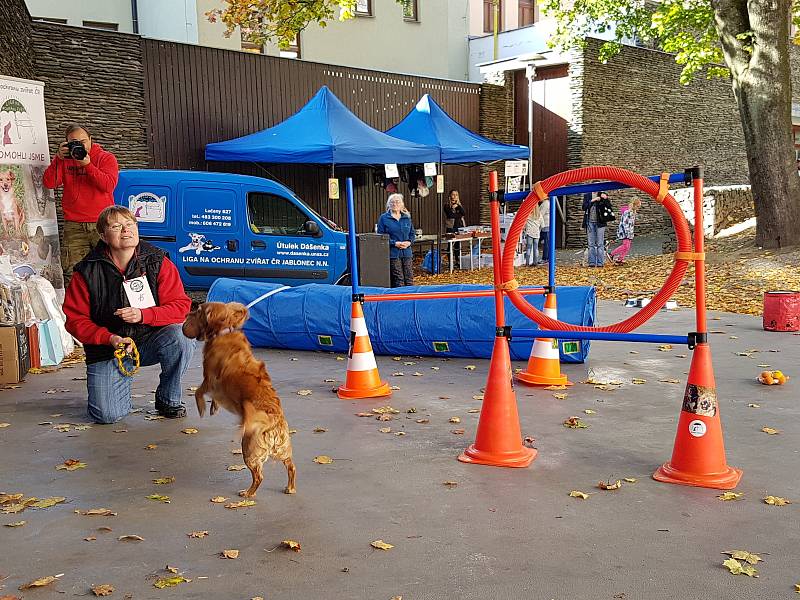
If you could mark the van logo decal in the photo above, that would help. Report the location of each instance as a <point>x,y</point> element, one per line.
<point>198,243</point>
<point>148,207</point>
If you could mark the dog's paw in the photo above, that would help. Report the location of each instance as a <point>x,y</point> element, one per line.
<point>289,490</point>
<point>214,408</point>
<point>247,494</point>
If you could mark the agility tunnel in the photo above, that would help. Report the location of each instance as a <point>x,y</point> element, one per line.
<point>317,317</point>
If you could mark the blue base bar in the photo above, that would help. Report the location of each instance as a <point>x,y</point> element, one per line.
<point>601,336</point>
<point>590,188</point>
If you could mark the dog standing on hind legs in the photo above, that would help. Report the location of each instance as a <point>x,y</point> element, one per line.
<point>238,382</point>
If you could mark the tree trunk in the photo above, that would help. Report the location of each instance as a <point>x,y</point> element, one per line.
<point>763,90</point>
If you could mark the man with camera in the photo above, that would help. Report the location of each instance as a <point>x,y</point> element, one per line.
<point>88,174</point>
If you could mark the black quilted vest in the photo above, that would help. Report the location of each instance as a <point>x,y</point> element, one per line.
<point>106,294</point>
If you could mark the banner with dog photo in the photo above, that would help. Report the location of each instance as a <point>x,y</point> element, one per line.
<point>28,224</point>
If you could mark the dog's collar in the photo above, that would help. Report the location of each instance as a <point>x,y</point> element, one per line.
<point>223,332</point>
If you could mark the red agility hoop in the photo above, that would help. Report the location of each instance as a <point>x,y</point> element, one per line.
<point>655,190</point>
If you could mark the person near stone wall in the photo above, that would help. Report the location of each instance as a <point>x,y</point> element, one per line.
<point>595,217</point>
<point>88,187</point>
<point>625,230</point>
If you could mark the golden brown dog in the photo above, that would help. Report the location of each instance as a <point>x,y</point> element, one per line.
<point>238,382</point>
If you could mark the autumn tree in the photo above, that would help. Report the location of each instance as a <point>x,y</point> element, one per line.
<point>747,41</point>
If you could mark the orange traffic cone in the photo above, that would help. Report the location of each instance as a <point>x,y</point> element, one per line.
<point>363,379</point>
<point>544,366</point>
<point>498,441</point>
<point>698,457</point>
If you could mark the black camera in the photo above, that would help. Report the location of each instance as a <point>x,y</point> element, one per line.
<point>76,150</point>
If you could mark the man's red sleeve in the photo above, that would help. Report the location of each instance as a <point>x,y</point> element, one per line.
<point>76,307</point>
<point>105,173</point>
<point>52,174</point>
<point>174,304</point>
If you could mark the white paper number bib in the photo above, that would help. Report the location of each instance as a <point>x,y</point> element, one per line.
<point>138,292</point>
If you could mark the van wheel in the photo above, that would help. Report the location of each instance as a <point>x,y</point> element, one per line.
<point>344,280</point>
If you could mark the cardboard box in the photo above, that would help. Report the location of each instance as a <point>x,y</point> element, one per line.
<point>15,357</point>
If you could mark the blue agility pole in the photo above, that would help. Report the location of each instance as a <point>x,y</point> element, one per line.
<point>551,259</point>
<point>351,237</point>
<point>602,336</point>
<point>589,188</point>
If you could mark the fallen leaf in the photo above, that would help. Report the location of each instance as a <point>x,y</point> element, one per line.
<point>164,480</point>
<point>105,529</point>
<point>589,411</point>
<point>4,425</point>
<point>607,485</point>
<point>450,484</point>
<point>48,502</point>
<point>730,496</point>
<point>97,512</point>
<point>422,421</point>
<point>637,381</point>
<point>385,410</point>
<point>364,414</point>
<point>434,368</point>
<point>776,501</point>
<point>41,582</point>
<point>340,358</point>
<point>665,348</point>
<point>120,431</point>
<point>560,396</point>
<point>151,446</point>
<point>744,555</point>
<point>409,363</point>
<point>241,504</point>
<point>577,494</point>
<point>417,374</point>
<point>130,538</point>
<point>396,358</point>
<point>394,387</point>
<point>158,498</point>
<point>470,367</point>
<point>323,460</point>
<point>385,429</point>
<point>171,569</point>
<point>411,410</point>
<point>478,397</point>
<point>454,420</point>
<point>16,524</point>
<point>304,392</point>
<point>555,387</point>
<point>319,430</point>
<point>736,568</point>
<point>103,590</point>
<point>71,464</point>
<point>237,467</point>
<point>630,479</point>
<point>384,417</point>
<point>291,545</point>
<point>189,431</point>
<point>91,538</point>
<point>670,380</point>
<point>575,423</point>
<point>218,499</point>
<point>399,433</point>
<point>197,534</point>
<point>164,582</point>
<point>398,374</point>
<point>457,431</point>
<point>770,431</point>
<point>232,554</point>
<point>381,545</point>
<point>153,417</point>
<point>474,410</point>
<point>328,381</point>
<point>753,405</point>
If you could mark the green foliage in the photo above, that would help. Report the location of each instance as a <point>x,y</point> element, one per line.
<point>280,21</point>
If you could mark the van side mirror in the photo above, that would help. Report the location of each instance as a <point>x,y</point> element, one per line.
<point>312,228</point>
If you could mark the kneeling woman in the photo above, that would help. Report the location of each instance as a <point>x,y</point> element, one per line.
<point>396,222</point>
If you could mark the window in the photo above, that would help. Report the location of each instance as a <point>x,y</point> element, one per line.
<point>527,12</point>
<point>292,50</point>
<point>50,20</point>
<point>363,8</point>
<point>274,215</point>
<point>410,10</point>
<point>488,16</point>
<point>101,25</point>
<point>249,46</point>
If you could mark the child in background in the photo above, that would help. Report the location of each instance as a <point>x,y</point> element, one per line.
<point>532,231</point>
<point>625,231</point>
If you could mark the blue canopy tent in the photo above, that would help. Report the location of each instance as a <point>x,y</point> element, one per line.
<point>429,124</point>
<point>324,131</point>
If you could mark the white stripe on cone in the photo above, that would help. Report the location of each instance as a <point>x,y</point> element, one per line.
<point>362,361</point>
<point>359,325</point>
<point>546,347</point>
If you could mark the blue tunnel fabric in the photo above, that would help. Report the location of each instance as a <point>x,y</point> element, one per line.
<point>317,317</point>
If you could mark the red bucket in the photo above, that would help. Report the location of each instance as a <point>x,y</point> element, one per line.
<point>782,311</point>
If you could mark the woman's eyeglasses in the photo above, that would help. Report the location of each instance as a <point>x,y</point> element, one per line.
<point>118,227</point>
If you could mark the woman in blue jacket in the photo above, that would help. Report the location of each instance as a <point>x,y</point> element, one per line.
<point>396,221</point>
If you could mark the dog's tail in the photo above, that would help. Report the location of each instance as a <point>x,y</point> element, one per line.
<point>268,430</point>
